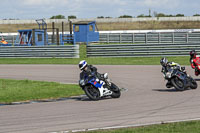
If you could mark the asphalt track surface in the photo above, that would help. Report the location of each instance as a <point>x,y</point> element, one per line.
<point>146,101</point>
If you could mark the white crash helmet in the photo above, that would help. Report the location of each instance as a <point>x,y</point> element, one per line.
<point>82,64</point>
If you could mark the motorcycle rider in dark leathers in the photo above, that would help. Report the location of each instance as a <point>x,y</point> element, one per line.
<point>167,68</point>
<point>87,70</point>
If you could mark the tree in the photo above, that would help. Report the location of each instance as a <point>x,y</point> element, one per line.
<point>179,15</point>
<point>58,17</point>
<point>71,17</point>
<point>125,16</point>
<point>108,17</point>
<point>160,15</point>
<point>196,15</point>
<point>142,15</point>
<point>100,17</point>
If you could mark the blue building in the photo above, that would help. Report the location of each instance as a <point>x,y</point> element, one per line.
<point>85,32</point>
<point>32,37</point>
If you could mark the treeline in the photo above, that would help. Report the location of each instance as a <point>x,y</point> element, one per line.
<point>155,14</point>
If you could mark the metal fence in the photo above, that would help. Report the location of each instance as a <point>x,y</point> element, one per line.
<point>160,37</point>
<point>154,37</point>
<point>42,51</point>
<point>140,50</point>
<point>12,38</point>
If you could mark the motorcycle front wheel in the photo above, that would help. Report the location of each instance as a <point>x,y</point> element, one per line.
<point>178,84</point>
<point>193,84</point>
<point>115,91</point>
<point>92,92</point>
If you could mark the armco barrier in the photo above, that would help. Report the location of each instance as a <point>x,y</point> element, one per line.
<point>40,52</point>
<point>153,37</point>
<point>140,50</point>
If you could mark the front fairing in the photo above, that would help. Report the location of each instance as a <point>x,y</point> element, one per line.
<point>94,82</point>
<point>197,62</point>
<point>99,84</point>
<point>179,74</point>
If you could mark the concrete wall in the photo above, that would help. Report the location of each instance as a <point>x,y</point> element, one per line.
<point>108,20</point>
<point>31,21</point>
<point>196,18</point>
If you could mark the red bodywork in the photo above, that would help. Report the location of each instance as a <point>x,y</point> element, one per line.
<point>195,64</point>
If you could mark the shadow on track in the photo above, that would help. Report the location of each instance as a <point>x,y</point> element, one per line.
<point>170,90</point>
<point>197,79</point>
<point>166,90</point>
<point>85,98</point>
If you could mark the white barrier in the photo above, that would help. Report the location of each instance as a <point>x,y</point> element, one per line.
<point>105,20</point>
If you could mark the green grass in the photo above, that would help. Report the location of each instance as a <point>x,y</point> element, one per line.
<point>181,127</point>
<point>136,60</point>
<point>183,60</point>
<point>23,90</point>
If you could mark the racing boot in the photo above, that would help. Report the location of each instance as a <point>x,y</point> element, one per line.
<point>196,72</point>
<point>168,85</point>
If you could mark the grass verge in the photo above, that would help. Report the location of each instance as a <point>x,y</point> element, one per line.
<point>23,90</point>
<point>102,26</point>
<point>182,60</point>
<point>181,127</point>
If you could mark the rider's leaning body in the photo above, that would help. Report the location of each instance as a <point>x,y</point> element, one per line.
<point>169,67</point>
<point>87,70</point>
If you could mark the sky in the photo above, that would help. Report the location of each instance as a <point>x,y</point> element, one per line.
<point>37,9</point>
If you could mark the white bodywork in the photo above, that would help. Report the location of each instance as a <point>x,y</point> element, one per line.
<point>104,91</point>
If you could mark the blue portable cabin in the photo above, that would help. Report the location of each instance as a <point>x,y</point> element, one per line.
<point>85,32</point>
<point>32,37</point>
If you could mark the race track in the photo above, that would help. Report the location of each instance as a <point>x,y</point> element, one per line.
<point>146,101</point>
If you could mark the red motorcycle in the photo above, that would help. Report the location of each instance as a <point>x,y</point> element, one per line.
<point>196,66</point>
<point>195,62</point>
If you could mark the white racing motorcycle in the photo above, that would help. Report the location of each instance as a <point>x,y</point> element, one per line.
<point>96,89</point>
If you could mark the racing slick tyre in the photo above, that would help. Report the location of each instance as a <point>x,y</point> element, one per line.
<point>92,92</point>
<point>178,84</point>
<point>115,91</point>
<point>193,84</point>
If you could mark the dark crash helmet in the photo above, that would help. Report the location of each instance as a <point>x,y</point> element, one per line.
<point>163,61</point>
<point>193,54</point>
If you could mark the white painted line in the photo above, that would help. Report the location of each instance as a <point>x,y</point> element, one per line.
<point>81,130</point>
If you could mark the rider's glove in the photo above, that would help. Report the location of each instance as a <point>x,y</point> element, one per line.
<point>183,69</point>
<point>92,73</point>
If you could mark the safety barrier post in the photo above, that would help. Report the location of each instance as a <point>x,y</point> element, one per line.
<point>133,37</point>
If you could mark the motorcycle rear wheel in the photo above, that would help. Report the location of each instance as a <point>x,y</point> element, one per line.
<point>92,92</point>
<point>115,91</point>
<point>178,84</point>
